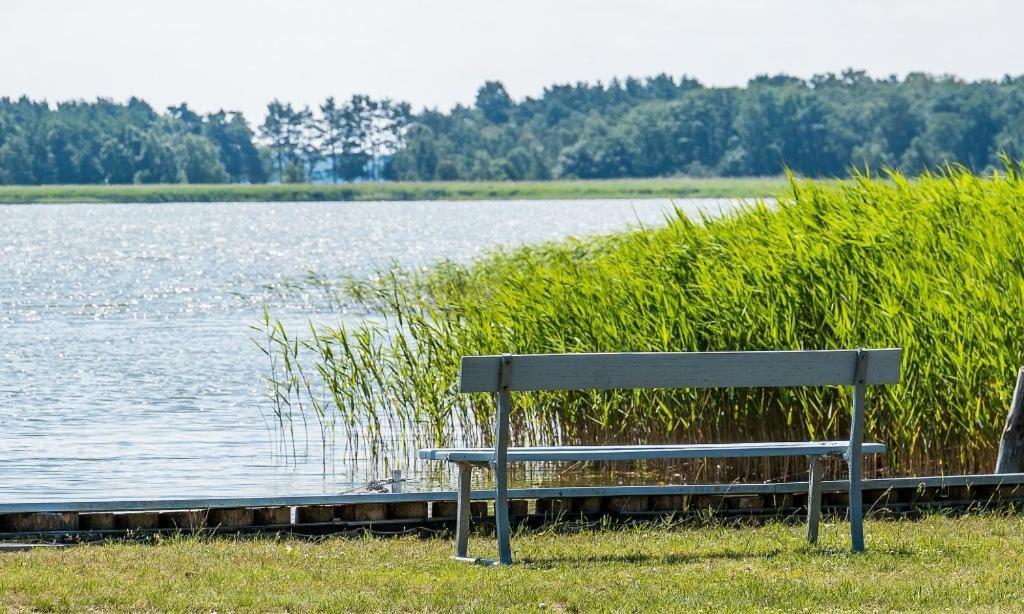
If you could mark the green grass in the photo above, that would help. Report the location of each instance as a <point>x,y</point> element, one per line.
<point>935,266</point>
<point>436,190</point>
<point>967,563</point>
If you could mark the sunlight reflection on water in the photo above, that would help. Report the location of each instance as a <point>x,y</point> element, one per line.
<point>127,365</point>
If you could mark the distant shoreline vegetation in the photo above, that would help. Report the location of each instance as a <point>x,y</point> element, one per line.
<point>660,126</point>
<point>736,187</point>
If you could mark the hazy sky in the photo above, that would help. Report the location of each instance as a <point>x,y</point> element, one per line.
<point>239,54</point>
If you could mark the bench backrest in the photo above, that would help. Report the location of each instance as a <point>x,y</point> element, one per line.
<point>679,370</point>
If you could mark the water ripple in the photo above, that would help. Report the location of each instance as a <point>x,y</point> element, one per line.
<point>126,363</point>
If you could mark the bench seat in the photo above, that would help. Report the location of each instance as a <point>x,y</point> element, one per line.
<point>614,453</point>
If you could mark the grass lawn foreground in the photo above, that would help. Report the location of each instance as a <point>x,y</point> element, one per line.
<point>968,562</point>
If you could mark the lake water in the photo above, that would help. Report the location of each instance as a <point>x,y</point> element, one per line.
<point>127,365</point>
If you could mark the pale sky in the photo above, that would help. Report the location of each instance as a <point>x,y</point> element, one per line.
<point>240,54</point>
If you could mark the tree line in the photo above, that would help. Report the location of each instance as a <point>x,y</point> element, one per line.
<point>656,126</point>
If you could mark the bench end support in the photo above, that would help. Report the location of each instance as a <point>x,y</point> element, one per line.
<point>501,519</point>
<point>814,499</point>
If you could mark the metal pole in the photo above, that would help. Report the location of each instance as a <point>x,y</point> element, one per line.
<point>854,456</point>
<point>814,499</point>
<point>501,519</point>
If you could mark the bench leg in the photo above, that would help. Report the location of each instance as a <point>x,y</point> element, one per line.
<point>501,520</point>
<point>501,440</point>
<point>856,505</point>
<point>463,516</point>
<point>814,499</point>
<point>853,455</point>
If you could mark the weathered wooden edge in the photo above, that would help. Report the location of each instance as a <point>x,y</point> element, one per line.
<point>973,480</point>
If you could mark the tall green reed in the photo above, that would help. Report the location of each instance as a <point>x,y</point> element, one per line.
<point>935,266</point>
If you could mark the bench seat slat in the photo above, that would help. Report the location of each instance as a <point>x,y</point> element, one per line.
<point>609,453</point>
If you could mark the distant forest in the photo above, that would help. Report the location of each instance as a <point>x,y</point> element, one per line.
<point>657,126</point>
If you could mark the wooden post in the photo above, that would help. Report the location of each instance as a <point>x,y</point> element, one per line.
<point>501,519</point>
<point>854,456</point>
<point>462,515</point>
<point>1011,446</point>
<point>814,499</point>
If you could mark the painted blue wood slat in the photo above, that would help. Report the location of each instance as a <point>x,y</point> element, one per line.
<point>679,370</point>
<point>611,453</point>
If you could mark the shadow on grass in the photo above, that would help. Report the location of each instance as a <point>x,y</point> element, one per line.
<point>645,558</point>
<point>837,551</point>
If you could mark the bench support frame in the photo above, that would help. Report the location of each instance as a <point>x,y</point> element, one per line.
<point>503,402</point>
<point>501,519</point>
<point>463,513</point>
<point>854,456</point>
<point>814,498</point>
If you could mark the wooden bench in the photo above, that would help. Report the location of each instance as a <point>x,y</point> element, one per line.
<point>505,374</point>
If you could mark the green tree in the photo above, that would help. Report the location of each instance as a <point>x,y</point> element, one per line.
<point>357,118</point>
<point>16,161</point>
<point>494,102</point>
<point>281,130</point>
<point>199,160</point>
<point>237,150</point>
<point>330,133</point>
<point>636,127</point>
<point>418,159</point>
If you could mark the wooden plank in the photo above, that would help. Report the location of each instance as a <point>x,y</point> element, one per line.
<point>940,481</point>
<point>136,521</point>
<point>410,510</point>
<point>555,508</point>
<point>269,516</point>
<point>746,503</point>
<point>230,517</point>
<point>518,507</point>
<point>31,522</point>
<point>97,521</point>
<point>612,453</point>
<point>183,520</point>
<point>587,506</point>
<point>314,514</point>
<point>678,370</point>
<point>362,512</point>
<point>628,505</point>
<point>450,509</point>
<point>1011,444</point>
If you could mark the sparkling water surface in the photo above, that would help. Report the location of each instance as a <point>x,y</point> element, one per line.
<point>128,367</point>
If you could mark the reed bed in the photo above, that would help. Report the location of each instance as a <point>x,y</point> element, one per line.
<point>935,266</point>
